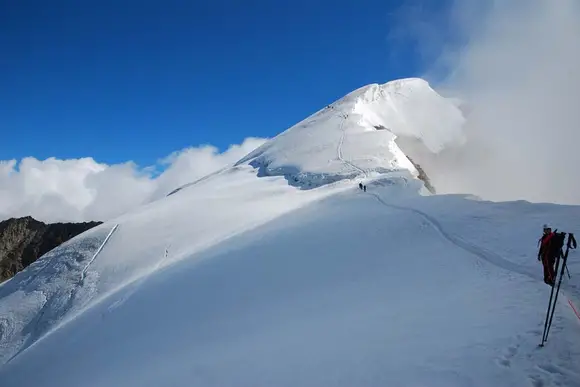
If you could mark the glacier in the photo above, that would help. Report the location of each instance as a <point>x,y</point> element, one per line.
<point>278,270</point>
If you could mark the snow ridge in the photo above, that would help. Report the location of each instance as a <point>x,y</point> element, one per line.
<point>355,137</point>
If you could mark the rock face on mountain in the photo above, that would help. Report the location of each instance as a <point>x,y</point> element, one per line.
<point>24,240</point>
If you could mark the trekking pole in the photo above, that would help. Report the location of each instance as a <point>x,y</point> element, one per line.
<point>570,245</point>
<point>549,305</point>
<point>556,297</point>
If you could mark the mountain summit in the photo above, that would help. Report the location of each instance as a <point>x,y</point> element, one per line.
<point>357,135</point>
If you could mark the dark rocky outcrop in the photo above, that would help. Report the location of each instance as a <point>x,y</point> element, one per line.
<point>423,176</point>
<point>24,240</point>
<point>418,154</point>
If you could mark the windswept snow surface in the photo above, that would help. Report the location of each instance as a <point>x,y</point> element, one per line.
<point>279,271</point>
<point>355,288</point>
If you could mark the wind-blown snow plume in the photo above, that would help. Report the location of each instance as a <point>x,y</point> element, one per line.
<point>517,70</point>
<point>83,189</point>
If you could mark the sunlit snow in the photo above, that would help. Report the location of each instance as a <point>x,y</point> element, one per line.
<point>280,271</point>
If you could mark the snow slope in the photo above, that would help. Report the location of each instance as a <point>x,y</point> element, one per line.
<point>279,271</point>
<point>357,134</point>
<point>66,281</point>
<point>343,291</point>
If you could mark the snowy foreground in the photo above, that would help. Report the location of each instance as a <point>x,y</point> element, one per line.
<point>279,271</point>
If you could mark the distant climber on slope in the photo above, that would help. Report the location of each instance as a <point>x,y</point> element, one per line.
<point>547,254</point>
<point>360,186</point>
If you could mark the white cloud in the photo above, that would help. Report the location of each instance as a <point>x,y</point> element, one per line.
<point>55,190</point>
<point>519,72</point>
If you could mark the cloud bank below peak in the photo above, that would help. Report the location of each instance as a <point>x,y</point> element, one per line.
<point>55,190</point>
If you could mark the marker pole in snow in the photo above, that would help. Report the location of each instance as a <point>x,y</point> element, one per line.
<point>548,324</point>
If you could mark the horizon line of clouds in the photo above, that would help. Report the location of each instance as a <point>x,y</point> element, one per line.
<point>77,190</point>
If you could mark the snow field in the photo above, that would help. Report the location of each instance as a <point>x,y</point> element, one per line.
<point>344,291</point>
<point>279,271</point>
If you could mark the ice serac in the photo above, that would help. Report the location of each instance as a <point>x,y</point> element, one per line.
<point>359,135</point>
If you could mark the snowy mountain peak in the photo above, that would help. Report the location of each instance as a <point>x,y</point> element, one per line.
<point>356,135</point>
<point>240,280</point>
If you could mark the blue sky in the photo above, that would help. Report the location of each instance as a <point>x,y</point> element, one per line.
<point>131,80</point>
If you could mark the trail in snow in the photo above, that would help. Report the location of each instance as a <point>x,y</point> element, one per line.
<point>344,117</point>
<point>478,251</point>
